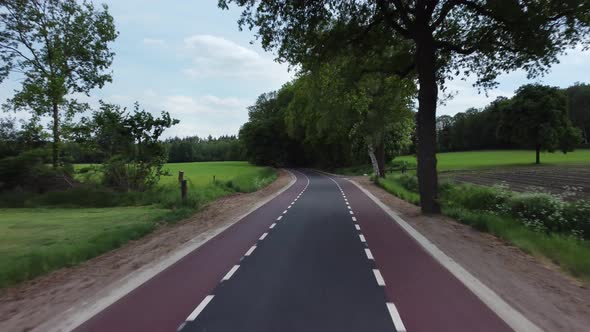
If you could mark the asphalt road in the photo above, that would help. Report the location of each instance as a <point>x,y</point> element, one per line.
<point>321,256</point>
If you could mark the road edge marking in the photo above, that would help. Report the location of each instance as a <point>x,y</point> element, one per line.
<point>514,318</point>
<point>80,312</point>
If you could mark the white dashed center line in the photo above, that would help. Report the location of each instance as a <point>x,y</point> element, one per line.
<point>397,320</point>
<point>379,277</point>
<point>249,252</point>
<point>369,254</point>
<point>263,236</point>
<point>280,217</point>
<point>199,308</point>
<point>362,237</point>
<point>284,211</point>
<point>231,272</point>
<point>351,212</point>
<point>273,225</point>
<point>358,228</point>
<point>353,218</point>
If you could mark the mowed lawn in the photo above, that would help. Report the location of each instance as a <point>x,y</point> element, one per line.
<point>201,173</point>
<point>36,240</point>
<point>499,158</point>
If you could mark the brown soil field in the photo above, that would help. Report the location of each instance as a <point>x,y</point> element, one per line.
<point>571,181</point>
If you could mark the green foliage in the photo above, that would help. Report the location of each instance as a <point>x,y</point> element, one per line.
<point>540,212</point>
<point>62,228</point>
<point>433,40</point>
<point>190,149</point>
<point>28,171</point>
<point>61,47</point>
<point>579,108</point>
<point>392,185</point>
<point>570,254</point>
<point>537,117</point>
<point>36,241</point>
<point>130,142</point>
<point>265,136</point>
<point>476,197</point>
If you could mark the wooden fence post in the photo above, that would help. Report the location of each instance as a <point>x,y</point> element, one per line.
<point>183,188</point>
<point>180,176</point>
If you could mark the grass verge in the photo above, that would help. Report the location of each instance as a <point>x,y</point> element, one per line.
<point>568,252</point>
<point>41,233</point>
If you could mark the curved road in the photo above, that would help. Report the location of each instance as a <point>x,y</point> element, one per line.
<point>321,256</point>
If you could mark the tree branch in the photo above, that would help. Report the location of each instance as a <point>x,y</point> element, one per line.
<point>445,10</point>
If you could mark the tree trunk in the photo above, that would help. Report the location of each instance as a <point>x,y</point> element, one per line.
<point>538,154</point>
<point>427,99</point>
<point>381,159</point>
<point>55,145</point>
<point>371,152</point>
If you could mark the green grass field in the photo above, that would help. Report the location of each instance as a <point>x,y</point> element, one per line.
<point>52,233</point>
<point>201,174</point>
<point>35,241</point>
<point>500,158</point>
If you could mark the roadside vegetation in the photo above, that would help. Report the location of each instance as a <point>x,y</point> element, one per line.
<point>43,232</point>
<point>539,223</point>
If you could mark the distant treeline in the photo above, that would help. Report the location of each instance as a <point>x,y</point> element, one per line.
<point>194,148</point>
<point>478,129</point>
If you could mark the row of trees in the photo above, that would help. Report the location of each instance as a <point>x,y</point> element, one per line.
<point>537,117</point>
<point>429,41</point>
<point>336,114</point>
<point>194,148</point>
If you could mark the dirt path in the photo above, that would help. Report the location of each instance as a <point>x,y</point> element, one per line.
<point>24,307</point>
<point>545,295</point>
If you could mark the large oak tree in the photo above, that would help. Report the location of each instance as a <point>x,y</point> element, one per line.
<point>444,38</point>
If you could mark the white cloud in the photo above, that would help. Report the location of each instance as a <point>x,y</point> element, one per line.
<point>204,115</point>
<point>218,57</point>
<point>207,104</point>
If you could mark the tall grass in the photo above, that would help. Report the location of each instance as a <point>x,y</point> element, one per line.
<point>539,224</point>
<point>569,253</point>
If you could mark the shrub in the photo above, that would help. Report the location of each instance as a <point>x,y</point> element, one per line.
<point>476,197</point>
<point>408,181</point>
<point>577,218</point>
<point>538,211</point>
<point>28,171</point>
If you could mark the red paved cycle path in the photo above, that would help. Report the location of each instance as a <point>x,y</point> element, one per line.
<point>427,296</point>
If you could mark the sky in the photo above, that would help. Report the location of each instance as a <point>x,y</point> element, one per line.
<point>189,58</point>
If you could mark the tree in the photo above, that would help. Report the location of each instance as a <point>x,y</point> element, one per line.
<point>132,154</point>
<point>537,117</point>
<point>444,37</point>
<point>265,135</point>
<point>579,108</point>
<point>60,47</point>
